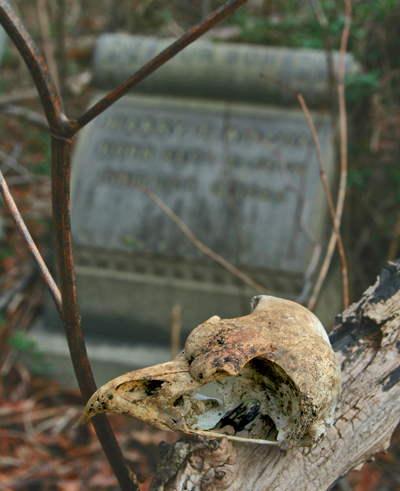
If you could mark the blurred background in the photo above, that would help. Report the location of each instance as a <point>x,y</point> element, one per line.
<point>67,33</point>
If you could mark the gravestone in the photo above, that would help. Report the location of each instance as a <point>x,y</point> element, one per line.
<point>3,38</point>
<point>231,154</point>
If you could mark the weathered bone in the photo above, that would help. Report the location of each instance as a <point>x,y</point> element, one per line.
<point>277,374</point>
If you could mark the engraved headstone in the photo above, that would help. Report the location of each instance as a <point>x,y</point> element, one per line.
<point>230,154</point>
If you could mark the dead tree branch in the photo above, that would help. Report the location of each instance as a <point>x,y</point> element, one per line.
<point>303,215</point>
<point>159,60</point>
<point>20,224</point>
<point>366,342</point>
<point>327,191</point>
<point>343,156</point>
<point>44,24</point>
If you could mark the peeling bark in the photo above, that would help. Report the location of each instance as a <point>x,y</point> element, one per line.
<point>366,341</point>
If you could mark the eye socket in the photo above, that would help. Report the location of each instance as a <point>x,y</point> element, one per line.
<point>139,389</point>
<point>179,402</point>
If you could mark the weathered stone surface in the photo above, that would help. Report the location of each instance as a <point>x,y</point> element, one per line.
<point>224,71</point>
<point>203,160</point>
<point>3,38</point>
<point>243,177</point>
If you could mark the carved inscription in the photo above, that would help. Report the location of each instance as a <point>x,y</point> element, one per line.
<point>168,183</point>
<point>155,128</point>
<point>206,163</point>
<point>158,127</point>
<point>162,182</point>
<point>121,151</point>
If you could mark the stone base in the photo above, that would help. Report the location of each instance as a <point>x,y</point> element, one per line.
<point>109,358</point>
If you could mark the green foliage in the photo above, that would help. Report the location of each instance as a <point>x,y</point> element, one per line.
<point>24,344</point>
<point>393,174</point>
<point>42,145</point>
<point>296,25</point>
<point>360,86</point>
<point>359,178</point>
<point>20,341</point>
<point>6,252</point>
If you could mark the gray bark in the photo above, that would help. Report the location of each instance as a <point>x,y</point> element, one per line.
<point>366,341</point>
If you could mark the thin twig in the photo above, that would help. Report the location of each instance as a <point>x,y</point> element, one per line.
<point>18,96</point>
<point>189,234</point>
<point>15,417</point>
<point>27,238</point>
<point>343,156</point>
<point>44,25</point>
<point>319,12</point>
<point>159,60</point>
<point>57,423</point>
<point>303,217</point>
<point>37,67</point>
<point>27,279</point>
<point>32,116</point>
<point>26,438</point>
<point>325,184</point>
<point>61,43</point>
<point>11,161</point>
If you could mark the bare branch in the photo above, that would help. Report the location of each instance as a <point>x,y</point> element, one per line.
<point>394,244</point>
<point>18,96</point>
<point>44,25</point>
<point>36,65</point>
<point>159,60</point>
<point>32,116</point>
<point>336,223</point>
<point>343,155</point>
<point>27,238</point>
<point>327,191</point>
<point>303,222</point>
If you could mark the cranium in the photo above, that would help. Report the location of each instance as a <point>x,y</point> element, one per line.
<point>277,375</point>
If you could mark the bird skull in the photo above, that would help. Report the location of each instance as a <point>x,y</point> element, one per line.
<point>277,375</point>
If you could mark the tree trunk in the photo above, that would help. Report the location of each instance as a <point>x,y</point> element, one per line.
<point>367,343</point>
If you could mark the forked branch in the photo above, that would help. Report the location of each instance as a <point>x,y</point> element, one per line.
<point>63,131</point>
<point>159,60</point>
